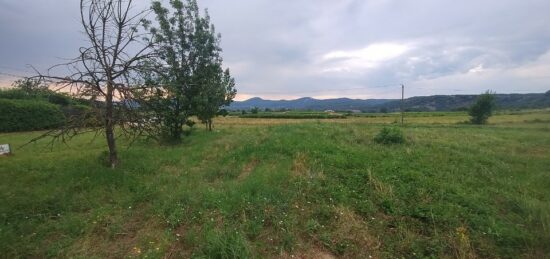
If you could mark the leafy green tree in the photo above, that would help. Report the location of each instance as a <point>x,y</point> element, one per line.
<point>190,79</point>
<point>483,108</point>
<point>214,95</point>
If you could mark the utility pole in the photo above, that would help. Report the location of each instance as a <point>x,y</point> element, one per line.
<point>402,99</point>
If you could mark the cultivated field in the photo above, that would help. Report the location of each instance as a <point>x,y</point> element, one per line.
<point>306,188</point>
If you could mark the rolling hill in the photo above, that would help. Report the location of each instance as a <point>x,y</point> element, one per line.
<point>418,103</point>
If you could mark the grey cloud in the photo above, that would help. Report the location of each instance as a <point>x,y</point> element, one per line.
<point>276,48</point>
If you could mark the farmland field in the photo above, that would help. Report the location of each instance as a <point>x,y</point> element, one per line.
<point>306,188</point>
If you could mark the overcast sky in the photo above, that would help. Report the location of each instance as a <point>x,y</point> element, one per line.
<point>332,48</point>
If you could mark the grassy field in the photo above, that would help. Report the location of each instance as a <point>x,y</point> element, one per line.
<point>293,115</point>
<point>289,188</point>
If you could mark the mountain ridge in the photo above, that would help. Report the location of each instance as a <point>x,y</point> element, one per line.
<point>416,103</point>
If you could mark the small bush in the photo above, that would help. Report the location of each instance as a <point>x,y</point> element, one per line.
<point>27,115</point>
<point>483,108</point>
<point>390,135</point>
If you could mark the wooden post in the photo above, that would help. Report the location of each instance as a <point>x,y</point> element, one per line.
<point>402,99</point>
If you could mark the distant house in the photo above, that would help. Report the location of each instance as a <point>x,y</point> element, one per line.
<point>355,111</point>
<point>329,111</point>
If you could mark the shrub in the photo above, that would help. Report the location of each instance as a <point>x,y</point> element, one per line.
<point>15,94</point>
<point>60,99</point>
<point>223,112</point>
<point>41,95</point>
<point>483,108</point>
<point>390,135</point>
<point>75,110</point>
<point>27,115</point>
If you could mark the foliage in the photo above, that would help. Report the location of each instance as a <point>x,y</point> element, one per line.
<point>41,94</point>
<point>255,110</point>
<point>390,135</point>
<point>27,115</point>
<point>60,99</point>
<point>190,80</point>
<point>31,86</point>
<point>215,93</point>
<point>483,108</point>
<point>15,94</point>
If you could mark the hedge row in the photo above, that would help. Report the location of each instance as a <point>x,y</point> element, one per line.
<point>42,95</point>
<point>26,115</point>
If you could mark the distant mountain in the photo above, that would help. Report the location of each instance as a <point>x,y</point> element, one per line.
<point>308,103</point>
<point>419,103</point>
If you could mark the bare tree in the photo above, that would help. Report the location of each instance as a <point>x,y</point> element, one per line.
<point>106,72</point>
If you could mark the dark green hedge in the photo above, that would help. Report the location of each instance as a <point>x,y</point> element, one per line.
<point>26,115</point>
<point>43,95</point>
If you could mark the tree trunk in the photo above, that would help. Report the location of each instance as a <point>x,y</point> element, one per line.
<point>110,127</point>
<point>209,125</point>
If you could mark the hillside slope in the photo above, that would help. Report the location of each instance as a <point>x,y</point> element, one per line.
<point>419,103</point>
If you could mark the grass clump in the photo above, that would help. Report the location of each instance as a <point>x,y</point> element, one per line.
<point>225,244</point>
<point>390,135</point>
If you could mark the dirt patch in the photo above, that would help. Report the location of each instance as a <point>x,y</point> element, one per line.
<point>351,228</point>
<point>118,238</point>
<point>177,248</point>
<point>248,168</point>
<point>313,253</point>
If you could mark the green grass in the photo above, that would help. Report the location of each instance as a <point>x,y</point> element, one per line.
<point>293,115</point>
<point>278,188</point>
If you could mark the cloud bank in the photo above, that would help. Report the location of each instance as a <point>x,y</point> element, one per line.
<point>326,48</point>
